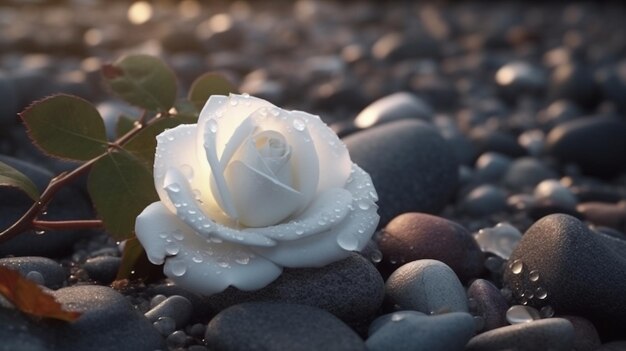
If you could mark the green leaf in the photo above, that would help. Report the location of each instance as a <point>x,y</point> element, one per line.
<point>143,81</point>
<point>135,264</point>
<point>10,176</point>
<point>143,145</point>
<point>67,127</point>
<point>120,187</point>
<point>124,125</point>
<point>209,84</point>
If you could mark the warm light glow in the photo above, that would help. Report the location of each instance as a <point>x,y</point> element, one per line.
<point>220,23</point>
<point>139,12</point>
<point>93,37</point>
<point>505,75</point>
<point>189,9</point>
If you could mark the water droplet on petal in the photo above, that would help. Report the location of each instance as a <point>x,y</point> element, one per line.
<point>364,205</point>
<point>170,137</point>
<point>212,125</point>
<point>348,242</point>
<point>172,248</point>
<point>299,231</point>
<point>233,102</point>
<point>174,187</point>
<point>222,263</point>
<point>298,124</point>
<point>178,268</point>
<point>197,258</point>
<point>243,260</point>
<point>178,235</point>
<point>187,171</point>
<point>521,314</point>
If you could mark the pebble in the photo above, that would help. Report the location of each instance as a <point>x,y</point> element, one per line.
<point>491,167</point>
<point>553,190</point>
<point>605,214</point>
<point>413,168</point>
<point>484,200</point>
<point>519,78</point>
<point>596,144</point>
<point>427,286</point>
<point>546,334</point>
<point>102,269</point>
<point>279,326</point>
<point>527,172</point>
<point>586,336</point>
<point>52,273</point>
<point>351,289</point>
<point>415,236</point>
<point>574,81</point>
<point>542,266</point>
<point>175,307</point>
<point>450,331</point>
<point>496,141</point>
<point>394,107</point>
<point>558,112</point>
<point>487,302</point>
<point>613,346</point>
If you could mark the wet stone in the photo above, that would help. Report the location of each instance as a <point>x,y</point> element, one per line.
<point>586,336</point>
<point>415,236</point>
<point>175,307</point>
<point>279,326</point>
<point>103,268</point>
<point>605,214</point>
<point>427,286</point>
<point>412,166</point>
<point>527,172</point>
<point>394,107</point>
<point>484,200</point>
<point>542,263</point>
<point>545,334</point>
<point>53,275</point>
<point>403,331</point>
<point>488,303</point>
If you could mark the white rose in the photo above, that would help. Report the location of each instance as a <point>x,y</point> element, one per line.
<point>250,189</point>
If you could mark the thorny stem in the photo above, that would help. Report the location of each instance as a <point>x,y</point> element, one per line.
<point>29,219</point>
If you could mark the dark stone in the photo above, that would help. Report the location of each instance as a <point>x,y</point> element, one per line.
<point>53,273</point>
<point>519,79</point>
<point>351,289</point>
<point>575,82</point>
<point>396,47</point>
<point>487,302</point>
<point>102,269</point>
<point>545,334</point>
<point>613,83</point>
<point>412,167</point>
<point>596,144</point>
<point>415,236</point>
<point>605,214</point>
<point>526,173</point>
<point>586,336</point>
<point>445,332</point>
<point>279,326</point>
<point>394,107</point>
<point>9,104</point>
<point>580,272</point>
<point>176,307</point>
<point>496,141</point>
<point>484,200</point>
<point>558,112</point>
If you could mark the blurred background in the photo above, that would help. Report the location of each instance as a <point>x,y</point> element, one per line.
<point>508,66</point>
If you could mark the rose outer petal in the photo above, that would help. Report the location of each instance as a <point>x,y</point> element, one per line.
<point>196,264</point>
<point>351,234</point>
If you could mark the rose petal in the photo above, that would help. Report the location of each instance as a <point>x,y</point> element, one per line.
<point>259,199</point>
<point>189,212</point>
<point>326,247</point>
<point>193,262</point>
<point>333,157</point>
<point>176,149</point>
<point>329,208</point>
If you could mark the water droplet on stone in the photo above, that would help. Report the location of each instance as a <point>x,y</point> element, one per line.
<point>222,263</point>
<point>178,268</point>
<point>517,266</point>
<point>541,293</point>
<point>212,125</point>
<point>348,242</point>
<point>376,256</point>
<point>533,275</point>
<point>165,325</point>
<point>546,311</point>
<point>174,187</point>
<point>298,124</point>
<point>521,314</point>
<point>187,171</point>
<point>40,232</point>
<point>36,277</point>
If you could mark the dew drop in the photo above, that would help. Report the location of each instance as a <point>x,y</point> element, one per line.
<point>546,311</point>
<point>222,263</point>
<point>364,205</point>
<point>233,102</point>
<point>541,293</point>
<point>298,124</point>
<point>174,187</point>
<point>348,242</point>
<point>36,277</point>
<point>212,125</point>
<point>187,171</point>
<point>170,137</point>
<point>517,266</point>
<point>521,314</point>
<point>178,235</point>
<point>299,231</point>
<point>274,111</point>
<point>178,268</point>
<point>243,260</point>
<point>197,259</point>
<point>155,259</point>
<point>396,317</point>
<point>172,248</point>
<point>40,232</point>
<point>376,256</point>
<point>533,275</point>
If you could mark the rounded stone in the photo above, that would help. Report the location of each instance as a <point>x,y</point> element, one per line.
<point>571,269</point>
<point>279,326</point>
<point>427,286</point>
<point>586,336</point>
<point>54,275</point>
<point>393,107</point>
<point>103,268</point>
<point>595,144</point>
<point>450,331</point>
<point>545,334</point>
<point>176,307</point>
<point>605,214</point>
<point>489,303</point>
<point>351,289</point>
<point>527,172</point>
<point>484,200</point>
<point>412,167</point>
<point>415,236</point>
